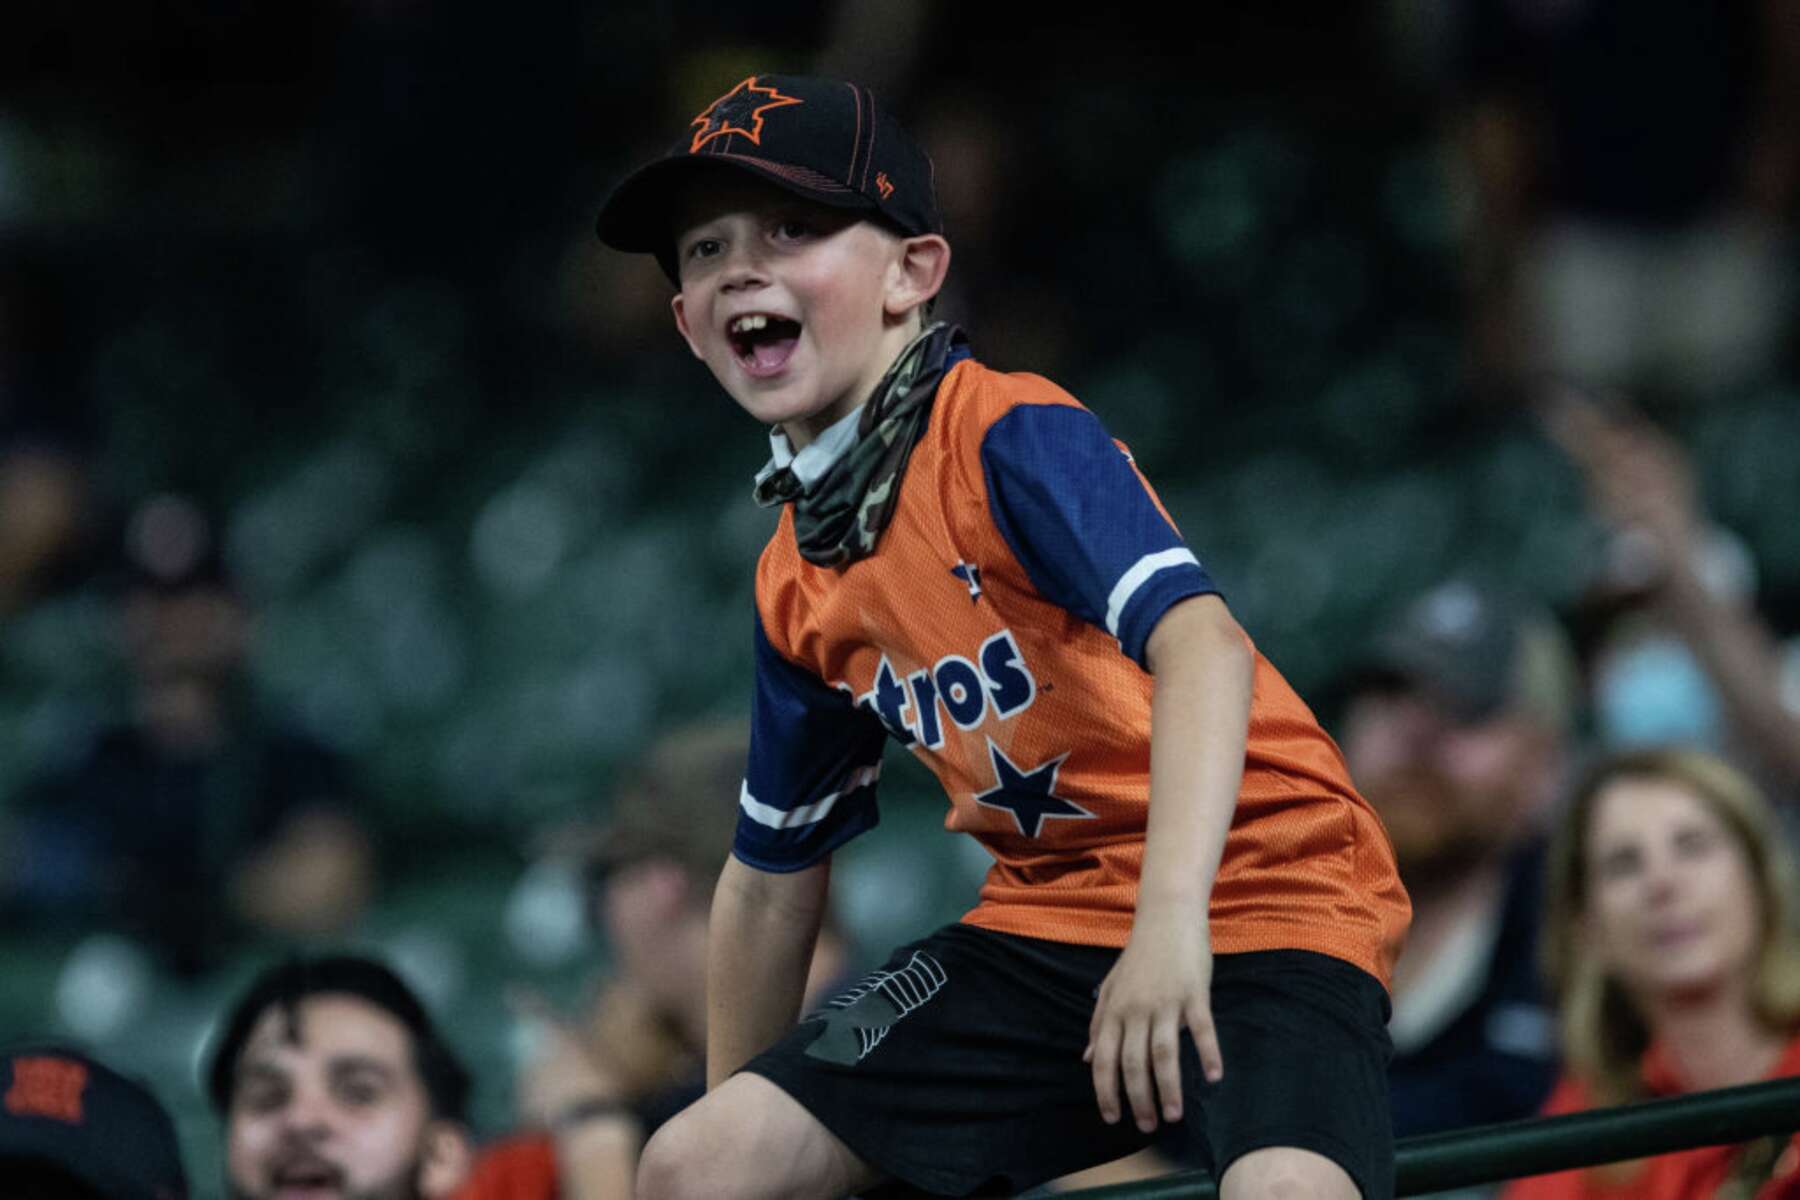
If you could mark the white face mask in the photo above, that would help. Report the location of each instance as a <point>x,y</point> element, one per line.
<point>1655,691</point>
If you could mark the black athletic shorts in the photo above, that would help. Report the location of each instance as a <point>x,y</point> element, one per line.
<point>956,1068</point>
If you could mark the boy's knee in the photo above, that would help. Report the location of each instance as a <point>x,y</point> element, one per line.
<point>669,1168</point>
<point>1286,1173</point>
<point>746,1140</point>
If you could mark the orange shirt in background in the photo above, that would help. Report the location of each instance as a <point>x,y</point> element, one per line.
<point>1684,1175</point>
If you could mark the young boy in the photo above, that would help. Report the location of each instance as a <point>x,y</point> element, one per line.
<point>967,564</point>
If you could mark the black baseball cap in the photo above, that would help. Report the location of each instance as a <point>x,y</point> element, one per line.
<point>1460,639</point>
<point>822,139</point>
<point>63,1108</point>
<point>1480,648</point>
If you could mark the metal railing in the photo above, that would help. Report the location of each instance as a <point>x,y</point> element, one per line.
<point>1492,1153</point>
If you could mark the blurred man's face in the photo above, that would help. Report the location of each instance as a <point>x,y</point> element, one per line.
<point>644,905</point>
<point>1450,794</point>
<point>327,1107</point>
<point>198,632</point>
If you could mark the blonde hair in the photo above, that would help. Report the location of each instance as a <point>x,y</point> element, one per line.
<point>1603,1034</point>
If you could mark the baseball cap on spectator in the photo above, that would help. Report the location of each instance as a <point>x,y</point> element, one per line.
<point>824,140</point>
<point>682,804</point>
<point>1481,651</point>
<point>65,1110</point>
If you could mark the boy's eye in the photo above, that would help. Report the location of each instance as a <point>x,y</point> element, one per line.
<point>703,248</point>
<point>793,229</point>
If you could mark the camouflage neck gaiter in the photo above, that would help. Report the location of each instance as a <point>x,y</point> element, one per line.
<point>841,519</point>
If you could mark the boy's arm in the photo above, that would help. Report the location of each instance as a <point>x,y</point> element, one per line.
<point>759,947</point>
<point>1200,714</point>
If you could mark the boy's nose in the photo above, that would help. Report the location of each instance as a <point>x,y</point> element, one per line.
<point>743,268</point>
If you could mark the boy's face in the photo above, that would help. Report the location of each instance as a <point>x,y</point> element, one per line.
<point>797,308</point>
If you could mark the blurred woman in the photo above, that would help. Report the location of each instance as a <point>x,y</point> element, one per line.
<point>1671,943</point>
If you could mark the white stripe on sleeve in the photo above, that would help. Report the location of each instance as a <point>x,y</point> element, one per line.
<point>1138,576</point>
<point>806,814</point>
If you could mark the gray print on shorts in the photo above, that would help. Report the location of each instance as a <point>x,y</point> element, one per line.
<point>857,1020</point>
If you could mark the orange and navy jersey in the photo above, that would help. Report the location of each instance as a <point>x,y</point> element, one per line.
<point>998,631</point>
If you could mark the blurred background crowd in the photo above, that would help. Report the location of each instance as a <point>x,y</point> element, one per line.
<point>365,530</point>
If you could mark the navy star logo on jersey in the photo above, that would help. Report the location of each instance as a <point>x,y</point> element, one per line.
<point>738,111</point>
<point>970,574</point>
<point>1030,796</point>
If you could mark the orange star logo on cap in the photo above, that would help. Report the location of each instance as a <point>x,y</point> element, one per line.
<point>738,111</point>
<point>47,1087</point>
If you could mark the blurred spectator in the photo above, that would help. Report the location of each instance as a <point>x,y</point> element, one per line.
<point>72,1128</point>
<point>598,1087</point>
<point>1634,163</point>
<point>1669,938</point>
<point>331,1079</point>
<point>1456,730</point>
<point>44,497</point>
<point>198,822</point>
<point>1696,663</point>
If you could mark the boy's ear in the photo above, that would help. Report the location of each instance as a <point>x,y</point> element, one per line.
<point>682,325</point>
<point>918,273</point>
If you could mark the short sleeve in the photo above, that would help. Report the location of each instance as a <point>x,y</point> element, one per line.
<point>814,762</point>
<point>1083,524</point>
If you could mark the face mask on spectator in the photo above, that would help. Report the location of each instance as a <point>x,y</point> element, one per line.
<point>1655,692</point>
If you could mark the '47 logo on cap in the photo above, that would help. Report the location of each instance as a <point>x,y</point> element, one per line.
<point>47,1087</point>
<point>738,111</point>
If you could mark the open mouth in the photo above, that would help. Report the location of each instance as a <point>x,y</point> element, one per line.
<point>304,1178</point>
<point>763,342</point>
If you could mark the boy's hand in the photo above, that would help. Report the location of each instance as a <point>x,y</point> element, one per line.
<point>1162,981</point>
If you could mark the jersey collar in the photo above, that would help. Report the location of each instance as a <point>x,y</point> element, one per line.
<point>816,457</point>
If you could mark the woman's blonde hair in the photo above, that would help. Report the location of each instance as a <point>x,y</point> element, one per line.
<point>1603,1034</point>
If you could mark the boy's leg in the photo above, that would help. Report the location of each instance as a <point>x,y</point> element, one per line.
<point>1286,1172</point>
<point>748,1139</point>
<point>1303,1108</point>
<point>955,1069</point>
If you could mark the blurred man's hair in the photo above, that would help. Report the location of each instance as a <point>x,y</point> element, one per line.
<point>681,803</point>
<point>445,1080</point>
